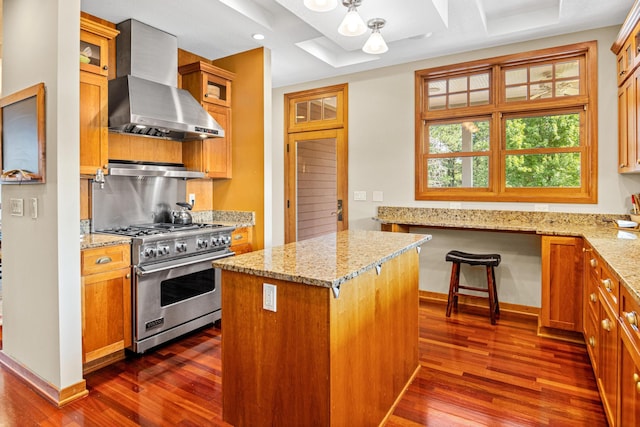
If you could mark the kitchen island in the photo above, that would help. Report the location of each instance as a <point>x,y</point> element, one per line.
<point>338,343</point>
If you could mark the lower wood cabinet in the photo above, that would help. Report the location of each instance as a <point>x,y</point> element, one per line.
<point>241,240</point>
<point>607,375</point>
<point>106,305</point>
<point>561,305</point>
<point>629,360</point>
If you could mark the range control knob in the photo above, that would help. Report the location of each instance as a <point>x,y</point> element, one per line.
<point>215,241</point>
<point>202,244</point>
<point>163,250</point>
<point>225,239</point>
<point>149,252</point>
<point>181,247</point>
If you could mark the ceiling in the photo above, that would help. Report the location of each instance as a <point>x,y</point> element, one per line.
<point>306,46</point>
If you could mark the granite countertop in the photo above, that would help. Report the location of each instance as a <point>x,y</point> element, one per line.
<point>95,240</point>
<point>619,248</point>
<point>326,261</point>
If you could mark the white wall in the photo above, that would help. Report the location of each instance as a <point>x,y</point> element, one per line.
<point>381,158</point>
<point>41,257</point>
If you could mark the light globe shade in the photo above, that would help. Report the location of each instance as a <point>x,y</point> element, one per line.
<point>375,44</point>
<point>352,24</point>
<point>321,5</point>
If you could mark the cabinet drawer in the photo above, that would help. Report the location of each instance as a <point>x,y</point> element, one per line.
<point>105,258</point>
<point>610,288</point>
<point>240,236</point>
<point>630,316</point>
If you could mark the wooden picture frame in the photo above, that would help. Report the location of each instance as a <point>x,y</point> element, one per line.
<point>22,136</point>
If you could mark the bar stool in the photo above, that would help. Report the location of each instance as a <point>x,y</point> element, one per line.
<point>490,261</point>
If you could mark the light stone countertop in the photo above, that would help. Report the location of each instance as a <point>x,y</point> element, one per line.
<point>96,240</point>
<point>326,261</point>
<point>619,248</point>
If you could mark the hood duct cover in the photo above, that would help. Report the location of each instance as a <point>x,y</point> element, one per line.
<point>144,99</point>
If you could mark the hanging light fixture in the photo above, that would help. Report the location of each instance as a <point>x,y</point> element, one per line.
<point>352,24</point>
<point>321,5</point>
<point>375,43</point>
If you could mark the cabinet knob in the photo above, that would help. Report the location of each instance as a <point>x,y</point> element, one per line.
<point>622,165</point>
<point>606,325</point>
<point>622,73</point>
<point>636,377</point>
<point>206,171</point>
<point>105,67</point>
<point>593,262</point>
<point>592,341</point>
<point>632,318</point>
<point>593,297</point>
<point>607,284</point>
<point>638,161</point>
<point>128,276</point>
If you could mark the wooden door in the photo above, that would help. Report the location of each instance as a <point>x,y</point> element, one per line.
<point>317,189</point>
<point>316,162</point>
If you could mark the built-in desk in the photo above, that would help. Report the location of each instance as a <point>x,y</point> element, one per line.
<point>620,249</point>
<point>342,343</point>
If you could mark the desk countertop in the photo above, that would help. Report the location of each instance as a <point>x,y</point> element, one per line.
<point>619,248</point>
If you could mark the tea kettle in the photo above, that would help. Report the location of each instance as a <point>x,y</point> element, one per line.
<point>182,216</point>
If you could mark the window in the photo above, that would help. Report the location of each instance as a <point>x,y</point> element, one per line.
<point>514,128</point>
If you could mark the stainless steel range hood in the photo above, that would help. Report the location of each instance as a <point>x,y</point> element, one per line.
<point>144,99</point>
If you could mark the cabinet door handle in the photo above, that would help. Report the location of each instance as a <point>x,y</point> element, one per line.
<point>593,297</point>
<point>632,318</point>
<point>237,237</point>
<point>587,250</point>
<point>607,284</point>
<point>104,260</point>
<point>606,325</point>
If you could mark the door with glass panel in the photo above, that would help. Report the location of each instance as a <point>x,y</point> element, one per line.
<point>315,164</point>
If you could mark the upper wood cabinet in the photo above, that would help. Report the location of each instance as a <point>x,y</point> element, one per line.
<point>94,110</point>
<point>211,86</point>
<point>627,50</point>
<point>561,306</point>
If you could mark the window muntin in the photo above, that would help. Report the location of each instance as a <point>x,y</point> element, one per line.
<point>539,130</point>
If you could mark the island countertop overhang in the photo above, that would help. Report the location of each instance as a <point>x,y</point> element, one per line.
<point>326,261</point>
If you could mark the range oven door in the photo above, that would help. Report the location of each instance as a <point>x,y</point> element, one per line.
<point>173,298</point>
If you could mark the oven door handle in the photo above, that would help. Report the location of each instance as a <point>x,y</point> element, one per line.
<point>183,262</point>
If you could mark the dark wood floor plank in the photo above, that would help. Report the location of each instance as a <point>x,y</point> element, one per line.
<point>472,374</point>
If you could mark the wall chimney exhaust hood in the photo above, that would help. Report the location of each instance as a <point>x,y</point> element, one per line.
<point>144,99</point>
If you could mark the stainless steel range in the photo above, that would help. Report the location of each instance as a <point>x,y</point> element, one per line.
<point>175,289</point>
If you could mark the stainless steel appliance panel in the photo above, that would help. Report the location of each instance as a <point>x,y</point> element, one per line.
<point>122,201</point>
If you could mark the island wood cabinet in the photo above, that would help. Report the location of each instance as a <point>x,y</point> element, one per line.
<point>561,305</point>
<point>627,50</point>
<point>106,305</point>
<point>94,69</point>
<point>211,86</point>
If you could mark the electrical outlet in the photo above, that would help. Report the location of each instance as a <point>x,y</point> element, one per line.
<point>192,199</point>
<point>17,207</point>
<point>269,297</point>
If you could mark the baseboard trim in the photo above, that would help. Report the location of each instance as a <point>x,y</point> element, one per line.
<point>58,397</point>
<point>472,301</point>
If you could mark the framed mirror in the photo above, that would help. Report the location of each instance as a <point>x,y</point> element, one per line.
<point>22,136</point>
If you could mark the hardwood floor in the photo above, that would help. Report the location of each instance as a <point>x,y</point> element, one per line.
<point>473,374</point>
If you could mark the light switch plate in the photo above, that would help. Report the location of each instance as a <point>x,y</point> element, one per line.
<point>359,195</point>
<point>17,207</point>
<point>378,196</point>
<point>34,207</point>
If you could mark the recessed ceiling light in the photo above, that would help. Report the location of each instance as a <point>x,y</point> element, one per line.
<point>257,36</point>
